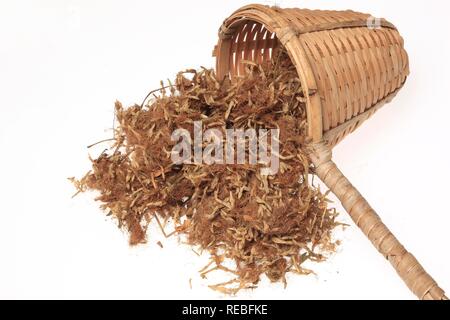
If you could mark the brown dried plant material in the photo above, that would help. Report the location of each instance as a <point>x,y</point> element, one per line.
<point>264,224</point>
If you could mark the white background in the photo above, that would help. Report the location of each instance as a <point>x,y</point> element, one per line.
<point>63,64</point>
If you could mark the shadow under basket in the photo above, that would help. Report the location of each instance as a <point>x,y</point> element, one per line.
<point>349,64</point>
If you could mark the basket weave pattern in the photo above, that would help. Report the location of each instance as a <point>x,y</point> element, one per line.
<point>348,69</point>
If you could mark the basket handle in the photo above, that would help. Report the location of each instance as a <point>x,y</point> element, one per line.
<point>406,265</point>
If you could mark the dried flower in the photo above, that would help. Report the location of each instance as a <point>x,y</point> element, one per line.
<point>265,224</point>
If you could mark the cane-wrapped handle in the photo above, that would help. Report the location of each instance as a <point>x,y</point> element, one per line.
<point>406,265</point>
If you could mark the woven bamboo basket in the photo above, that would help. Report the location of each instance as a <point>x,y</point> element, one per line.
<point>350,64</point>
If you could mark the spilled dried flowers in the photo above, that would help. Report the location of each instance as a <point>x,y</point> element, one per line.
<point>265,224</point>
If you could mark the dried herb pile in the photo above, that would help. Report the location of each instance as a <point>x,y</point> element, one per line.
<point>263,224</point>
